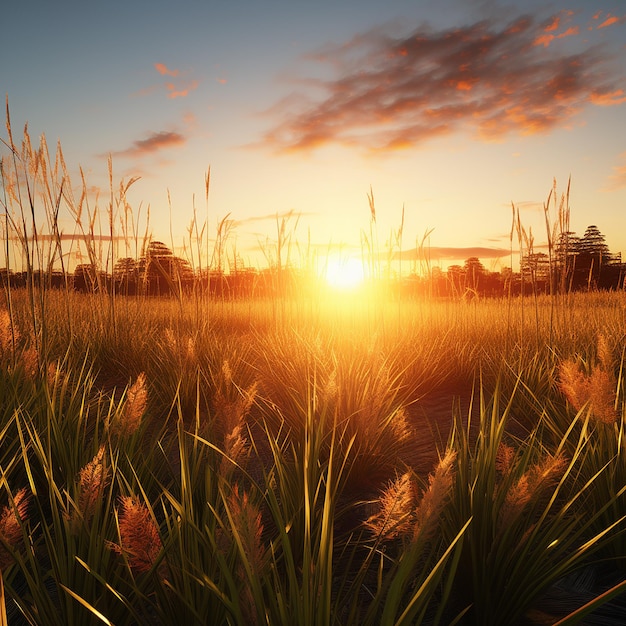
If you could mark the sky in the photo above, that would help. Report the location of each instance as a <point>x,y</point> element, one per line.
<point>447,114</point>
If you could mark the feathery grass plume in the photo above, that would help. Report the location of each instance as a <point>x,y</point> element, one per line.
<point>8,333</point>
<point>400,426</point>
<point>517,497</point>
<point>230,412</point>
<point>10,526</point>
<point>396,505</point>
<point>597,389</point>
<point>247,524</point>
<point>532,485</point>
<point>140,542</point>
<point>235,448</point>
<point>136,400</point>
<point>605,355</point>
<point>440,485</point>
<point>504,458</point>
<point>246,532</point>
<point>93,479</point>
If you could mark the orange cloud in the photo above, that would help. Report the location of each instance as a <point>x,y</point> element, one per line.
<point>153,143</point>
<point>617,180</point>
<point>175,92</point>
<point>572,30</point>
<point>543,40</point>
<point>608,98</point>
<point>546,40</point>
<point>553,25</point>
<point>611,19</point>
<point>391,93</point>
<point>164,71</point>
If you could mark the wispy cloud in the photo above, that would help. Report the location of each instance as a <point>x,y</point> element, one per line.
<point>617,180</point>
<point>452,254</point>
<point>607,20</point>
<point>162,69</point>
<point>183,84</point>
<point>487,78</point>
<point>153,143</point>
<point>174,91</point>
<point>274,217</point>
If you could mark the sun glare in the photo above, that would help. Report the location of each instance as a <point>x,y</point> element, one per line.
<point>344,273</point>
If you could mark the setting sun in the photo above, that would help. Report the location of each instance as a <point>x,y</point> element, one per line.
<point>344,273</point>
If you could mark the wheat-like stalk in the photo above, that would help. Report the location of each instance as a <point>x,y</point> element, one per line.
<point>93,479</point>
<point>394,517</point>
<point>11,520</point>
<point>440,485</point>
<point>247,524</point>
<point>140,542</point>
<point>136,399</point>
<point>8,333</point>
<point>597,390</point>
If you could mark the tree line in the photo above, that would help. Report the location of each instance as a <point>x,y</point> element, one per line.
<point>573,263</point>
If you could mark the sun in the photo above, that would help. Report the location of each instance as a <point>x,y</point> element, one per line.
<point>344,272</point>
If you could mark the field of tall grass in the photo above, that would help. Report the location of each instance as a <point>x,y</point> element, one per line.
<point>185,463</point>
<point>299,460</point>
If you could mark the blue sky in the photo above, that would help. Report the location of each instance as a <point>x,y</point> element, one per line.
<point>452,110</point>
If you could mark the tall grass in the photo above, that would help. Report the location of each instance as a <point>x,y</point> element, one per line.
<point>185,460</point>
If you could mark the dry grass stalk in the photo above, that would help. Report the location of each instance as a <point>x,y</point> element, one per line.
<point>403,514</point>
<point>11,521</point>
<point>396,505</point>
<point>532,485</point>
<point>231,413</point>
<point>235,449</point>
<point>136,400</point>
<point>401,429</point>
<point>8,333</point>
<point>93,479</point>
<point>597,390</point>
<point>248,525</point>
<point>504,458</point>
<point>435,497</point>
<point>140,542</point>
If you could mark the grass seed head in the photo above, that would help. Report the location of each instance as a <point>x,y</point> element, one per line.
<point>11,520</point>
<point>597,390</point>
<point>140,542</point>
<point>136,400</point>
<point>93,479</point>
<point>433,500</point>
<point>396,505</point>
<point>247,524</point>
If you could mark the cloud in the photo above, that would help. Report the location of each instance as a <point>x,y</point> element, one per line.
<point>452,254</point>
<point>617,180</point>
<point>489,79</point>
<point>609,21</point>
<point>164,71</point>
<point>611,98</point>
<point>180,91</point>
<point>153,143</point>
<point>274,217</point>
<point>179,88</point>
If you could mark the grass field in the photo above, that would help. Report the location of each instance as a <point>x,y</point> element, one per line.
<point>438,462</point>
<point>306,459</point>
